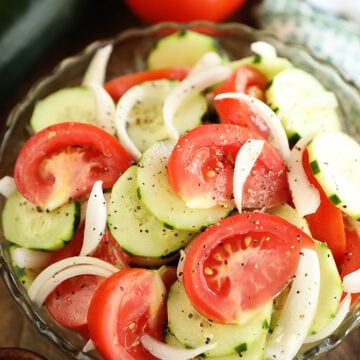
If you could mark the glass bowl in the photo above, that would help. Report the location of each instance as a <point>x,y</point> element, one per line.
<point>130,51</point>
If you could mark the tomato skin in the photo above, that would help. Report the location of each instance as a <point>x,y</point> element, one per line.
<point>351,260</point>
<point>211,150</point>
<point>241,263</point>
<point>183,10</point>
<point>124,307</point>
<point>326,224</point>
<point>68,304</point>
<point>118,86</point>
<point>100,155</point>
<point>247,80</point>
<point>168,275</point>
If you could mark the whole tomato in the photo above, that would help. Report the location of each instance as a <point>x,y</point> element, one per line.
<point>153,11</point>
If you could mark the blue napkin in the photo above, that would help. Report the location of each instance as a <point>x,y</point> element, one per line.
<point>331,38</point>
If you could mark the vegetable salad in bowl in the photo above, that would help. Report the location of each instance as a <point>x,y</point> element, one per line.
<point>201,207</point>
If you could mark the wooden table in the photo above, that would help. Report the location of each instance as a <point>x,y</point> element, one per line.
<point>108,18</point>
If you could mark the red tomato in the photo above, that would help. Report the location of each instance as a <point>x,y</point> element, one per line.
<point>127,305</point>
<point>69,303</point>
<point>183,10</point>
<point>168,275</point>
<point>351,260</point>
<point>246,80</point>
<point>326,224</point>
<point>64,160</point>
<point>241,263</point>
<point>201,166</point>
<point>118,87</point>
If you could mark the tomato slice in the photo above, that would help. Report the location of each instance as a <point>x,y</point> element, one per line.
<point>246,80</point>
<point>326,224</point>
<point>168,275</point>
<point>241,263</point>
<point>127,305</point>
<point>68,304</point>
<point>64,160</point>
<point>119,86</point>
<point>201,169</point>
<point>351,260</point>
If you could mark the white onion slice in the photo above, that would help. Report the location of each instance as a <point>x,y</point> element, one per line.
<point>32,259</point>
<point>263,49</point>
<point>180,266</point>
<point>105,108</point>
<point>189,86</point>
<point>165,352</point>
<point>7,186</point>
<point>95,220</point>
<point>344,308</point>
<point>299,310</point>
<point>51,284</point>
<point>57,267</point>
<point>122,118</point>
<point>351,282</point>
<point>280,141</point>
<point>210,58</point>
<point>89,346</point>
<point>305,196</point>
<point>245,160</point>
<point>95,73</point>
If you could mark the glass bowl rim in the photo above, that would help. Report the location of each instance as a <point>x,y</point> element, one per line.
<point>6,273</point>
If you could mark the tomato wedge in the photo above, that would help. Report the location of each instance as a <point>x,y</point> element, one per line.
<point>248,80</point>
<point>83,153</point>
<point>127,305</point>
<point>201,169</point>
<point>69,303</point>
<point>119,86</point>
<point>326,224</point>
<point>241,263</point>
<point>351,260</point>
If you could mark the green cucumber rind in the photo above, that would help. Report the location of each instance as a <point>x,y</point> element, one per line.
<point>19,220</point>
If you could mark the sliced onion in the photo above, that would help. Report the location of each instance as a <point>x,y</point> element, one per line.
<point>189,86</point>
<point>51,284</point>
<point>211,58</point>
<point>305,196</point>
<point>299,310</point>
<point>165,352</point>
<point>180,266</point>
<point>344,308</point>
<point>7,186</point>
<point>95,73</point>
<point>280,141</point>
<point>263,49</point>
<point>95,220</point>
<point>245,160</point>
<point>89,346</point>
<point>122,118</point>
<point>59,266</point>
<point>32,259</point>
<point>107,197</point>
<point>105,108</point>
<point>351,282</point>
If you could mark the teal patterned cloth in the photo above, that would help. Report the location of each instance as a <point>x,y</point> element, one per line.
<point>331,38</point>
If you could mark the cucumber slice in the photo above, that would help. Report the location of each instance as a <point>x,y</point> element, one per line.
<point>334,160</point>
<point>146,123</point>
<point>76,104</point>
<point>183,48</point>
<point>133,225</point>
<point>160,198</point>
<point>193,330</point>
<point>28,227</point>
<point>330,281</point>
<point>302,104</point>
<point>270,67</point>
<point>24,275</point>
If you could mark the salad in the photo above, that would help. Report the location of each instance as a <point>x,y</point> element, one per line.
<point>203,207</point>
